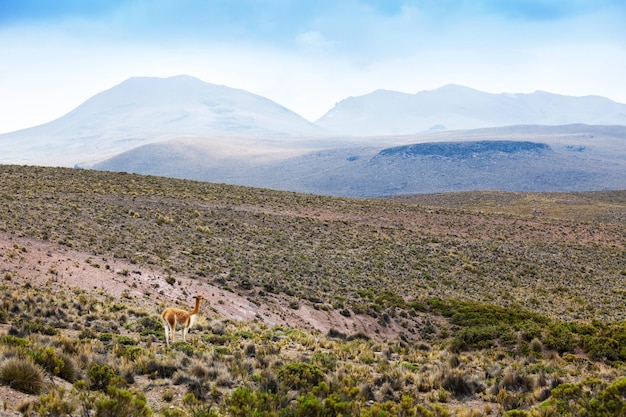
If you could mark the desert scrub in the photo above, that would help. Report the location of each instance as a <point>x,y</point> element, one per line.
<point>23,375</point>
<point>489,273</point>
<point>337,255</point>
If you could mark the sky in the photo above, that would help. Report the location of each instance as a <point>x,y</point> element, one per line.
<point>305,55</point>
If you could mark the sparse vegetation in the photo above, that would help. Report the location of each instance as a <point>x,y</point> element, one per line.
<point>490,310</point>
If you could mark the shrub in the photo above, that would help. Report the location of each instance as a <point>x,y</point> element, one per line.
<point>299,375</point>
<point>87,333</point>
<point>569,399</point>
<point>159,369</point>
<point>476,337</point>
<point>151,325</point>
<point>54,403</point>
<point>101,376</point>
<point>126,341</point>
<point>460,385</point>
<point>48,359</point>
<point>244,402</point>
<point>516,413</point>
<point>69,371</point>
<point>105,337</point>
<point>23,375</point>
<point>560,338</point>
<point>309,405</point>
<point>14,341</point>
<point>611,401</point>
<point>197,407</point>
<point>602,348</point>
<point>130,352</point>
<point>122,403</point>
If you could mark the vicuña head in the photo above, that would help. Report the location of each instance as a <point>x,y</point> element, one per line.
<point>172,317</point>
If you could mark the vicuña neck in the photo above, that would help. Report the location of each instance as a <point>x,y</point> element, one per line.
<point>195,310</point>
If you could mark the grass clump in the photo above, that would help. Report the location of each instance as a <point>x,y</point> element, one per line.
<point>22,375</point>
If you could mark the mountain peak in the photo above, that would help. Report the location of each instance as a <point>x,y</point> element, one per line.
<point>143,110</point>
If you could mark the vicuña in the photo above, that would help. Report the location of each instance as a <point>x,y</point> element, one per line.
<point>172,317</point>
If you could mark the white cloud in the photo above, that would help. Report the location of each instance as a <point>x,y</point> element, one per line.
<point>346,49</point>
<point>312,39</point>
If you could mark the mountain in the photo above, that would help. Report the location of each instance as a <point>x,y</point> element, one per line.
<point>517,158</point>
<point>182,127</point>
<point>146,110</point>
<point>454,107</point>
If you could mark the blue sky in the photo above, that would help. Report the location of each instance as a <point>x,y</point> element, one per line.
<point>305,55</point>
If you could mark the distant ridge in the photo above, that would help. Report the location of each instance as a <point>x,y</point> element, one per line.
<point>519,158</point>
<point>454,107</point>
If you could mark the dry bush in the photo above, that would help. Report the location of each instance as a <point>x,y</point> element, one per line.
<point>22,375</point>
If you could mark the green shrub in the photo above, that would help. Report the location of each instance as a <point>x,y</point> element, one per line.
<point>58,364</point>
<point>309,405</point>
<point>151,325</point>
<point>602,348</point>
<point>122,403</point>
<point>22,375</point>
<point>591,398</point>
<point>184,347</point>
<point>131,352</point>
<point>387,298</point>
<point>101,376</point>
<point>476,337</point>
<point>14,341</point>
<point>48,359</point>
<point>299,375</point>
<point>198,407</point>
<point>54,403</point>
<point>105,337</point>
<point>38,327</point>
<point>516,413</point>
<point>570,400</point>
<point>244,402</point>
<point>126,341</point>
<point>611,401</point>
<point>560,338</point>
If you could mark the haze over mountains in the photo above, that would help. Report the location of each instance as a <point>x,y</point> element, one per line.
<point>145,110</point>
<point>454,107</point>
<point>383,143</point>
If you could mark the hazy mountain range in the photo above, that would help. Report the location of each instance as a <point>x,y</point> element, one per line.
<point>454,107</point>
<point>383,143</point>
